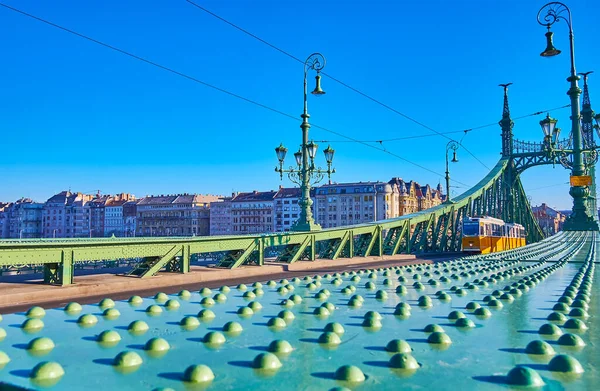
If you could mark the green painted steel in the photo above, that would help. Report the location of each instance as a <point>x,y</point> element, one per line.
<point>433,230</point>
<point>500,194</point>
<point>170,341</point>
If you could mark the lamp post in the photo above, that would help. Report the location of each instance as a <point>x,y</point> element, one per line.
<point>580,219</point>
<point>551,133</point>
<point>306,172</point>
<point>452,145</point>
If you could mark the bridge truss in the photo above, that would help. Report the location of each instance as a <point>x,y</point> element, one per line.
<point>500,194</point>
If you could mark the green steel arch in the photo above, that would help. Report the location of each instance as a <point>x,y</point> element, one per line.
<point>437,229</point>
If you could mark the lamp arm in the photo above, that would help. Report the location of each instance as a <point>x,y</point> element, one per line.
<point>294,176</point>
<point>554,11</point>
<point>315,61</point>
<point>316,177</point>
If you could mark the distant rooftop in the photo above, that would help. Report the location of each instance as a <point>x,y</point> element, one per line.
<point>255,196</point>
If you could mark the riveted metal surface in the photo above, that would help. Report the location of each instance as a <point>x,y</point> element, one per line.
<point>477,358</point>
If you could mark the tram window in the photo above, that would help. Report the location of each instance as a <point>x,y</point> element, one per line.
<point>471,229</point>
<point>496,230</point>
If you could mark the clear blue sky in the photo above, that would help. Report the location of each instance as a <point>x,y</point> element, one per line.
<point>77,115</point>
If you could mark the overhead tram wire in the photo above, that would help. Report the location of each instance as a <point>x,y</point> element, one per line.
<point>547,186</point>
<point>451,132</point>
<point>335,79</point>
<point>194,79</point>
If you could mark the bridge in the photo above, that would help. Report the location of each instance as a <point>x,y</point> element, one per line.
<point>435,230</point>
<point>515,318</point>
<point>525,317</point>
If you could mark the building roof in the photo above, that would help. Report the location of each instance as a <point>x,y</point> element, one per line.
<point>99,201</point>
<point>157,200</point>
<point>545,210</point>
<point>179,199</point>
<point>61,197</point>
<point>352,188</point>
<point>289,192</point>
<point>255,196</point>
<point>114,203</point>
<point>68,198</point>
<point>195,199</point>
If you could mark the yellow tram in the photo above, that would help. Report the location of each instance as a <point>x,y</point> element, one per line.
<point>488,235</point>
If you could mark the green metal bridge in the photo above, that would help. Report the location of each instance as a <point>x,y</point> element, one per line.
<point>519,318</point>
<point>500,194</point>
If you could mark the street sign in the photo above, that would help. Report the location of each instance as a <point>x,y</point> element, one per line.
<point>582,180</point>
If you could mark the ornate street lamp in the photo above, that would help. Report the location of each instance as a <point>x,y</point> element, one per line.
<point>452,145</point>
<point>551,132</point>
<point>580,219</point>
<point>306,174</point>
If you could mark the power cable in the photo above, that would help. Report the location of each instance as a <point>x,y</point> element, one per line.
<point>548,186</point>
<point>451,132</point>
<point>194,79</point>
<point>335,79</point>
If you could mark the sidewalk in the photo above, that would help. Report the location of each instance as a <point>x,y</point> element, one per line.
<point>110,285</point>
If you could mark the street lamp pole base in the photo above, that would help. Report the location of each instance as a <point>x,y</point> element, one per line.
<point>305,227</point>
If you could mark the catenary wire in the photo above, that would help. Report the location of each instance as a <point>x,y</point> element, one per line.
<point>194,79</point>
<point>336,80</point>
<point>451,132</point>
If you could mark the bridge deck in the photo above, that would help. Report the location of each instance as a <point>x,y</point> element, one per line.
<point>32,292</point>
<point>477,358</point>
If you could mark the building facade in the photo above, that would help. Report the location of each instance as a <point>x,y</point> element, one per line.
<point>129,218</point>
<point>4,219</point>
<point>114,220</point>
<point>252,213</point>
<point>24,219</point>
<point>410,197</point>
<point>66,215</point>
<point>286,209</point>
<point>550,220</point>
<point>174,215</point>
<point>220,217</point>
<point>342,204</point>
<point>77,215</point>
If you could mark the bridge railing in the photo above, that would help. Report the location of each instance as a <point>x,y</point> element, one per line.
<point>437,229</point>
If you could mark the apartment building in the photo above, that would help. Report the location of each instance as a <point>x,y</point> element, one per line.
<point>4,219</point>
<point>24,219</point>
<point>550,220</point>
<point>252,213</point>
<point>343,204</point>
<point>174,215</point>
<point>114,221</point>
<point>221,222</point>
<point>286,210</point>
<point>410,197</point>
<point>66,215</point>
<point>129,218</point>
